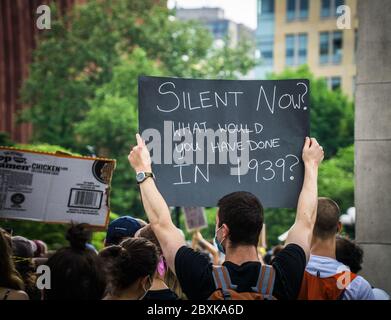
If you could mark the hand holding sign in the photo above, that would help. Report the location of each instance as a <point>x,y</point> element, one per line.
<point>312,152</point>
<point>139,157</point>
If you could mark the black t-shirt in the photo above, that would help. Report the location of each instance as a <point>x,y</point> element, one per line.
<point>164,294</point>
<point>194,273</point>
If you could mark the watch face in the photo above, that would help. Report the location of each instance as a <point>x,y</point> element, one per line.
<point>140,176</point>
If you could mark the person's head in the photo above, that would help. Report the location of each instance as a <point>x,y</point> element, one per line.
<point>147,233</point>
<point>239,220</point>
<point>327,224</point>
<point>276,250</point>
<point>120,229</point>
<point>22,247</point>
<point>41,249</point>
<point>76,272</point>
<point>9,277</point>
<point>349,253</point>
<point>162,271</point>
<point>130,267</point>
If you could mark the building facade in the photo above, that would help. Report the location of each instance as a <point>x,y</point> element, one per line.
<point>18,38</point>
<point>296,32</point>
<point>218,25</point>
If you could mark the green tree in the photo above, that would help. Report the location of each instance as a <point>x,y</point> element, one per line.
<point>336,178</point>
<point>111,124</point>
<point>5,140</point>
<point>83,47</point>
<point>332,113</point>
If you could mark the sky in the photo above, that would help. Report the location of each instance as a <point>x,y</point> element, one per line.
<point>240,11</point>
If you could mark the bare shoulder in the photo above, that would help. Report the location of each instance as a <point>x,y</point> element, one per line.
<point>18,295</point>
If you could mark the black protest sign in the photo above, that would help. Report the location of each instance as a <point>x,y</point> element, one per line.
<point>195,218</point>
<point>208,138</point>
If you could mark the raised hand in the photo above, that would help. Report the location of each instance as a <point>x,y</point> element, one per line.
<point>312,152</point>
<point>139,157</point>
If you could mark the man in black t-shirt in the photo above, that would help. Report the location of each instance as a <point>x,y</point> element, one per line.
<point>238,225</point>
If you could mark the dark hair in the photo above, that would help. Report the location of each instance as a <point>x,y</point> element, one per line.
<point>349,253</point>
<point>76,272</point>
<point>242,212</point>
<point>147,233</point>
<point>133,259</point>
<point>9,277</point>
<point>78,236</point>
<point>170,278</point>
<point>26,269</point>
<point>327,219</point>
<point>277,249</point>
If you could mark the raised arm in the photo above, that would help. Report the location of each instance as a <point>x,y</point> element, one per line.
<point>301,231</point>
<point>170,238</point>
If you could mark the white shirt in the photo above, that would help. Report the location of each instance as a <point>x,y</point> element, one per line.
<point>358,289</point>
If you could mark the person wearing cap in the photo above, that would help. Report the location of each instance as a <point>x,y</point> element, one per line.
<point>121,228</point>
<point>23,247</point>
<point>41,249</point>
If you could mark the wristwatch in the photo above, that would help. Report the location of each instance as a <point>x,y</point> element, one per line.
<point>142,176</point>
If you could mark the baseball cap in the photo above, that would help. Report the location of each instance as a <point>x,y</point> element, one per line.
<point>120,228</point>
<point>22,247</point>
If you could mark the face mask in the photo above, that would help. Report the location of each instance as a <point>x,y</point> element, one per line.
<point>161,267</point>
<point>218,243</point>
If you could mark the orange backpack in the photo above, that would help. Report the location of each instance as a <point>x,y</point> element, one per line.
<point>225,290</point>
<point>317,288</point>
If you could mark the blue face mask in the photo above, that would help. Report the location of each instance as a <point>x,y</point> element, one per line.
<point>218,243</point>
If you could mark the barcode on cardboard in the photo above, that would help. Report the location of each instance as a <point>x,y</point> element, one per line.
<point>85,199</point>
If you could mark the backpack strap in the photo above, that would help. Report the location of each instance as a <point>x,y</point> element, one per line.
<point>222,281</point>
<point>265,282</point>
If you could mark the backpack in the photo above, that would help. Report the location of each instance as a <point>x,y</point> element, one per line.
<point>225,290</point>
<point>317,288</point>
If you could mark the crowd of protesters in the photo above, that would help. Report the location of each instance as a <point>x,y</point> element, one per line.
<point>153,261</point>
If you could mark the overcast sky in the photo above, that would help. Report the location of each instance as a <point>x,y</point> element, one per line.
<point>241,11</point>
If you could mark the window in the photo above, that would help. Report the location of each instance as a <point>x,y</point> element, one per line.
<point>330,47</point>
<point>266,50</point>
<point>324,47</point>
<point>337,47</point>
<point>296,49</point>
<point>328,8</point>
<point>302,48</point>
<point>325,10</point>
<point>290,50</point>
<point>303,14</point>
<point>335,83</point>
<point>297,9</point>
<point>267,7</point>
<point>339,3</point>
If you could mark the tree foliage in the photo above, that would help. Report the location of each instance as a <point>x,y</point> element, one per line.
<point>83,48</point>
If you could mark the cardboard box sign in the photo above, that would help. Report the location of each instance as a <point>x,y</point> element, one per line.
<point>54,187</point>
